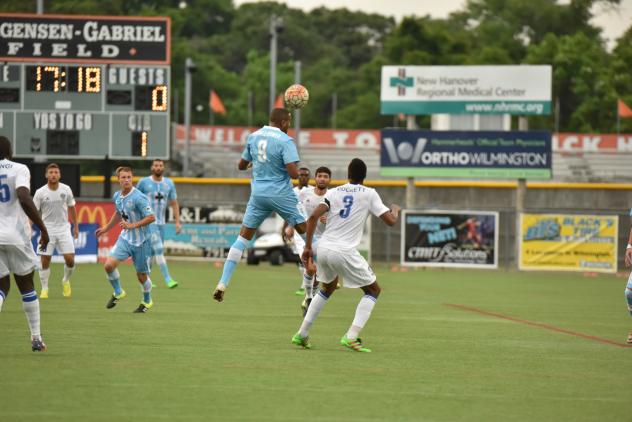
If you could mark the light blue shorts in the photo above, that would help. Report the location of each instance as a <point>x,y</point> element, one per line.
<point>260,207</point>
<point>141,255</point>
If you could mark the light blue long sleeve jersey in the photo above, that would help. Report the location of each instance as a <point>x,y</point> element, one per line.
<point>133,207</point>
<point>159,195</point>
<point>269,150</point>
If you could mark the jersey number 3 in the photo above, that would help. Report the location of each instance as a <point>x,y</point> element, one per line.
<point>262,154</point>
<point>348,203</point>
<point>5,192</point>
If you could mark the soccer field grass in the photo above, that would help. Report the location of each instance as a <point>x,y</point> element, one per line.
<point>191,358</point>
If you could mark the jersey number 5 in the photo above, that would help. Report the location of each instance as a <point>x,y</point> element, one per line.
<point>5,192</point>
<point>348,203</point>
<point>262,154</point>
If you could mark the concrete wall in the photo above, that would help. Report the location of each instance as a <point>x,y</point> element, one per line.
<point>570,198</point>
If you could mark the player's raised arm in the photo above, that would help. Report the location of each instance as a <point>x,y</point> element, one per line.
<point>26,202</point>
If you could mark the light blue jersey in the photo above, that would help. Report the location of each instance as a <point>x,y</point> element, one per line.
<point>133,207</point>
<point>159,195</point>
<point>270,150</point>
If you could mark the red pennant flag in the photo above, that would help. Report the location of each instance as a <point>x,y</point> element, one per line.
<point>216,104</point>
<point>279,103</point>
<point>623,110</point>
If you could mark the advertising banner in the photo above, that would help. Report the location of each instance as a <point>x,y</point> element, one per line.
<point>484,154</point>
<point>592,142</point>
<point>235,136</point>
<point>568,242</point>
<point>99,213</point>
<point>209,240</point>
<point>449,239</point>
<point>512,89</point>
<point>85,244</point>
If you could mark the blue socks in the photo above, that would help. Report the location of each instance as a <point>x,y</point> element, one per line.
<point>115,280</point>
<point>628,295</point>
<point>234,255</point>
<point>147,291</point>
<point>162,263</point>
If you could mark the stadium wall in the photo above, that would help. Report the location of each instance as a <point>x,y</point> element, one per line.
<point>541,197</point>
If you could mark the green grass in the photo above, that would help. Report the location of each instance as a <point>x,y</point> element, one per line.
<point>190,358</point>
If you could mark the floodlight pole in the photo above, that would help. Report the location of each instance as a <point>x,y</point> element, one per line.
<point>40,7</point>
<point>189,67</point>
<point>410,181</point>
<point>521,193</point>
<point>297,112</point>
<point>276,23</point>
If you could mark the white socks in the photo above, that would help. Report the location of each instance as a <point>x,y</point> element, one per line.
<point>1,299</point>
<point>312,313</point>
<point>31,307</point>
<point>363,312</point>
<point>67,273</point>
<point>308,285</point>
<point>44,276</point>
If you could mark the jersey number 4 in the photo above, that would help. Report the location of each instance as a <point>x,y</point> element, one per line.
<point>348,203</point>
<point>5,192</point>
<point>262,154</point>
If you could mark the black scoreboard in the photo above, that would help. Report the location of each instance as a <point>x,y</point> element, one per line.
<point>85,86</point>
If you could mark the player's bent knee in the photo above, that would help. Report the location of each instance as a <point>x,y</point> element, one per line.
<point>628,292</point>
<point>373,290</point>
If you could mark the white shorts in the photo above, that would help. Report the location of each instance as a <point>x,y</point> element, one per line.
<point>349,265</point>
<point>63,242</point>
<point>17,259</point>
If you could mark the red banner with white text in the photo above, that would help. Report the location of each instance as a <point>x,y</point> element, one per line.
<point>235,136</point>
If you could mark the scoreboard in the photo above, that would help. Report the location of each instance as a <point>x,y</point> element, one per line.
<point>85,87</point>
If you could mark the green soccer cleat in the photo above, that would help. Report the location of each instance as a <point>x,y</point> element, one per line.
<point>143,307</point>
<point>300,292</point>
<point>301,341</point>
<point>172,283</point>
<point>115,299</point>
<point>355,345</point>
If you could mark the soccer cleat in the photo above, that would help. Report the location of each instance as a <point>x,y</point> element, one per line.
<point>629,340</point>
<point>305,305</point>
<point>44,294</point>
<point>37,345</point>
<point>218,294</point>
<point>143,307</point>
<point>301,341</point>
<point>115,299</point>
<point>355,345</point>
<point>67,292</point>
<point>172,283</point>
<point>300,292</point>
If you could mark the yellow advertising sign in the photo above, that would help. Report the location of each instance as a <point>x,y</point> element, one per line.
<point>568,242</point>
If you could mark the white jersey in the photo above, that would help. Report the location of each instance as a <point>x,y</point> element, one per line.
<point>53,205</point>
<point>310,200</point>
<point>349,207</point>
<point>14,229</point>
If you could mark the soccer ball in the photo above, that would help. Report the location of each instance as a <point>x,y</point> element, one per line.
<point>296,96</point>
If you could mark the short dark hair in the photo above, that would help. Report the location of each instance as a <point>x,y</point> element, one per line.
<point>157,159</point>
<point>279,115</point>
<point>357,170</point>
<point>52,166</point>
<point>5,148</point>
<point>123,168</point>
<point>323,169</point>
<point>304,168</point>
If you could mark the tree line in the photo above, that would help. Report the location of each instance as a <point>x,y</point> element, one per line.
<point>342,52</point>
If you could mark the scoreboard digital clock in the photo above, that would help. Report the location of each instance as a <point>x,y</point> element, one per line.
<point>73,106</point>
